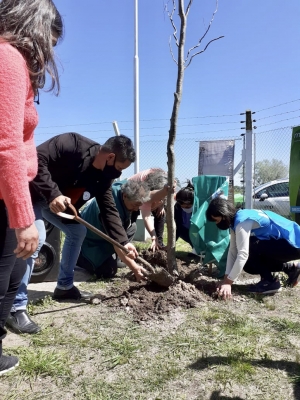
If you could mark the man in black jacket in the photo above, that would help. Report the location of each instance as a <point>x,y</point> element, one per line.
<point>73,169</point>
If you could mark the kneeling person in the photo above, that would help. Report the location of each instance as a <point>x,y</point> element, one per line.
<point>98,256</point>
<point>261,242</point>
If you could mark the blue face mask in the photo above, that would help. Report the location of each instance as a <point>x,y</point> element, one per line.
<point>187,210</point>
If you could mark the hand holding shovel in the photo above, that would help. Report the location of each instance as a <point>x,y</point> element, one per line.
<point>158,275</point>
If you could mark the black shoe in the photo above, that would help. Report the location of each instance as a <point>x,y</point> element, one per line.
<point>71,294</point>
<point>265,287</point>
<point>7,363</point>
<point>293,272</point>
<point>20,322</point>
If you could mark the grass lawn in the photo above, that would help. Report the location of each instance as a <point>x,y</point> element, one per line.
<point>244,349</point>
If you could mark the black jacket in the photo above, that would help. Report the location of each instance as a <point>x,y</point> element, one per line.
<point>65,162</point>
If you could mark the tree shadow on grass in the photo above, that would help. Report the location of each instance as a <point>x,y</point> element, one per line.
<point>217,396</point>
<point>292,369</point>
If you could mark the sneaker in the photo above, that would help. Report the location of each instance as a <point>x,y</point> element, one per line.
<point>293,272</point>
<point>20,322</point>
<point>8,363</point>
<point>71,294</point>
<point>265,287</point>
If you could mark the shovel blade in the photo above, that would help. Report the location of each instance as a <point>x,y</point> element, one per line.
<point>161,277</point>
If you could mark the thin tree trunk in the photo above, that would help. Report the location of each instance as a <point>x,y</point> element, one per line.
<point>171,141</point>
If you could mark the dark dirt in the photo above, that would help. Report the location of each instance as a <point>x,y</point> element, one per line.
<point>145,301</point>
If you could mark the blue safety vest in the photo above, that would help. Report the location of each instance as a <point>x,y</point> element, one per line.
<point>271,226</point>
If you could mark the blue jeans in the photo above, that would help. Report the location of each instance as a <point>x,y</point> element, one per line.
<point>74,236</point>
<point>21,299</point>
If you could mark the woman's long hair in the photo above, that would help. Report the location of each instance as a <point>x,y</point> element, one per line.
<point>186,194</point>
<point>31,26</point>
<point>220,207</point>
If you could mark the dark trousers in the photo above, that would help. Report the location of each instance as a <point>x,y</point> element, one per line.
<point>159,224</point>
<point>12,269</point>
<point>109,267</point>
<point>183,233</point>
<point>267,256</point>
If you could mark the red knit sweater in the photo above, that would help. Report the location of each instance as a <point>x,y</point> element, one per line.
<point>18,119</point>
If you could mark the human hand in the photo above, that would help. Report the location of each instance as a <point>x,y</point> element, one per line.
<point>154,245</point>
<point>28,240</point>
<point>167,187</point>
<point>224,290</point>
<point>160,212</point>
<point>132,251</point>
<point>59,204</point>
<point>139,272</point>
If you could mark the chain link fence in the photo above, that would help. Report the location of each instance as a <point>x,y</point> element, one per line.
<point>271,157</point>
<point>271,153</point>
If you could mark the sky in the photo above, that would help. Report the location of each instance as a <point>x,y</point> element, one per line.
<point>255,66</point>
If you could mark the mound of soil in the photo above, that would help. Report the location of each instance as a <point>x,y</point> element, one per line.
<point>148,300</point>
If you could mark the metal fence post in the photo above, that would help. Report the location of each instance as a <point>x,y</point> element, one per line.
<point>249,161</point>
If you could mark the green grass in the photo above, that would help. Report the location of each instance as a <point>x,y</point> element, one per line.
<point>41,304</point>
<point>285,326</point>
<point>240,370</point>
<point>248,350</point>
<point>113,358</point>
<point>42,362</point>
<point>181,245</point>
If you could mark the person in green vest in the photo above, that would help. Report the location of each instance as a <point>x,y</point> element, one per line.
<point>97,255</point>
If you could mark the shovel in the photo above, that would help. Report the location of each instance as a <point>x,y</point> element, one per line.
<point>157,275</point>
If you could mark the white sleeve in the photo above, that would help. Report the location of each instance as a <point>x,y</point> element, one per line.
<point>239,250</point>
<point>232,253</point>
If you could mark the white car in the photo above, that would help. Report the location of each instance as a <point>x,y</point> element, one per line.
<point>273,196</point>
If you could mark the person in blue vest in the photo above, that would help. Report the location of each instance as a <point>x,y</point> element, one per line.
<point>183,211</point>
<point>97,255</point>
<point>261,242</point>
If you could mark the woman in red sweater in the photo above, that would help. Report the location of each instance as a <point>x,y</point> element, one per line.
<point>28,31</point>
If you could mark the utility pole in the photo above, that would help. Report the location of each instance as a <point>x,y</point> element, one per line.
<point>136,92</point>
<point>249,163</point>
<point>116,128</point>
<point>117,133</point>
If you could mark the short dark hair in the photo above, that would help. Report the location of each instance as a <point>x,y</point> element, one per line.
<point>28,25</point>
<point>220,207</point>
<point>121,146</point>
<point>186,194</point>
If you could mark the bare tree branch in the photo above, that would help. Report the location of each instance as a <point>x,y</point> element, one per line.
<point>199,52</point>
<point>171,51</point>
<point>188,8</point>
<point>170,15</point>
<point>205,33</point>
<point>180,42</point>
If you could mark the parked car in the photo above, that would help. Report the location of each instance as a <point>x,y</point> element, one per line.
<point>273,196</point>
